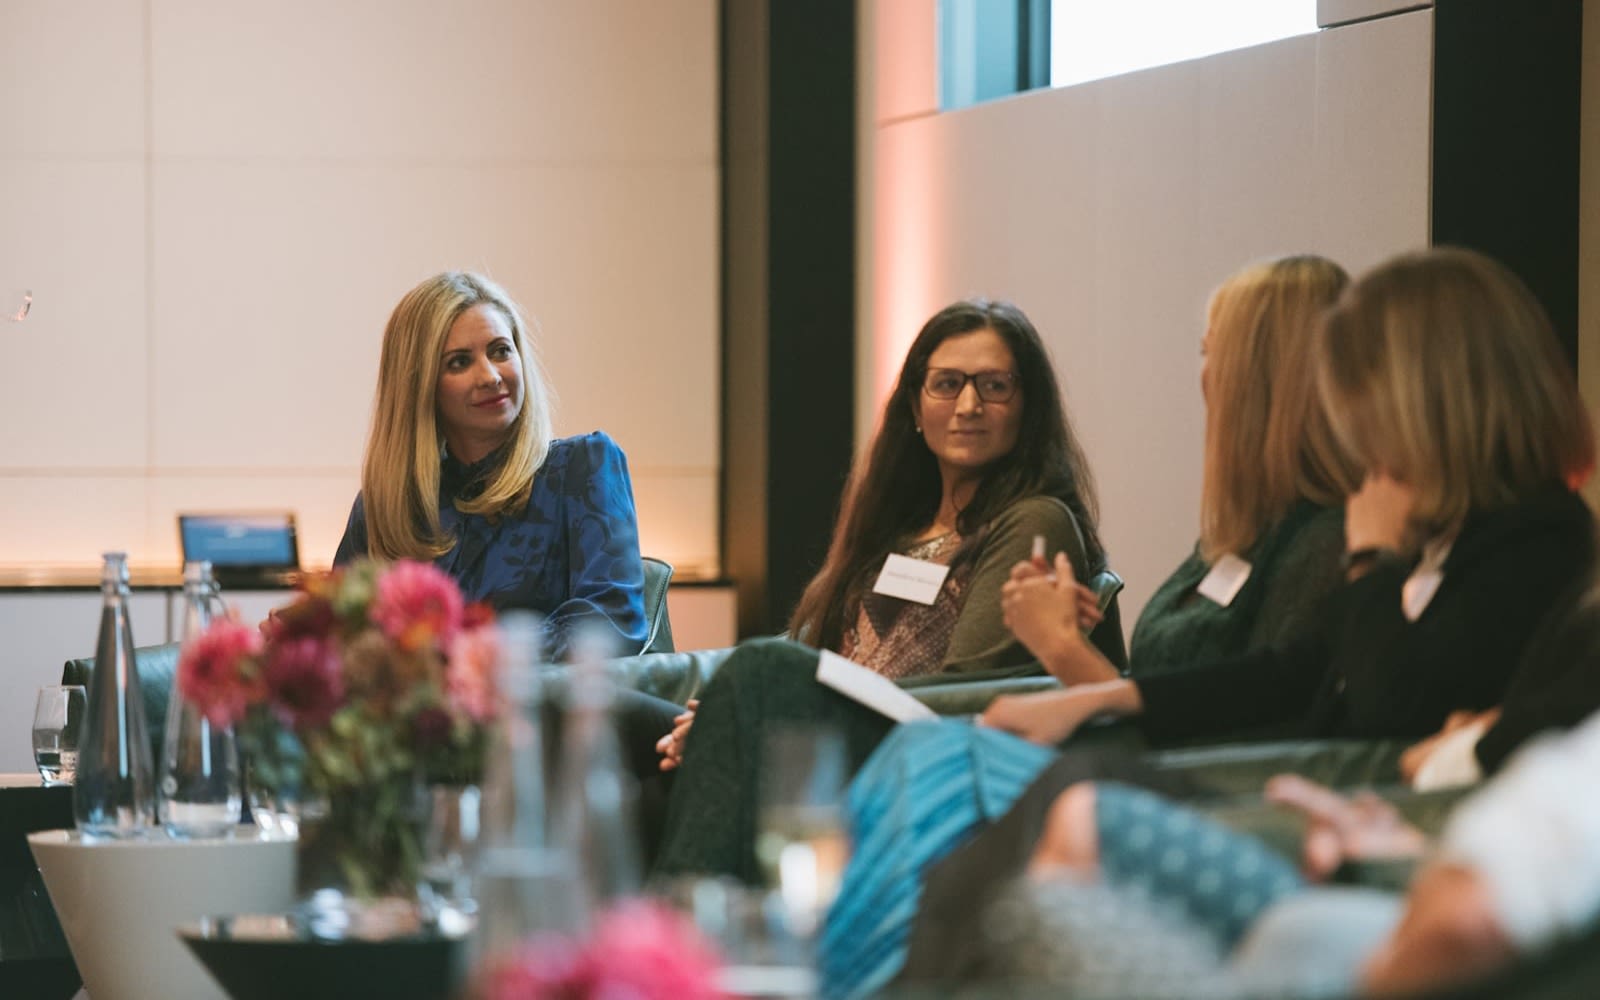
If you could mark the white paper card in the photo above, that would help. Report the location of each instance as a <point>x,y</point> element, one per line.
<point>1454,759</point>
<point>1225,580</point>
<point>910,579</point>
<point>870,688</point>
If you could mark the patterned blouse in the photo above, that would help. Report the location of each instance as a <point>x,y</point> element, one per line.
<point>899,638</point>
<point>572,554</point>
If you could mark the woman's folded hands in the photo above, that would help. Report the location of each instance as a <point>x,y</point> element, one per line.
<point>1050,612</point>
<point>670,746</point>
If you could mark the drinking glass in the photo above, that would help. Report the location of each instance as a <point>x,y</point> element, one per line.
<point>450,853</point>
<point>800,841</point>
<point>57,724</point>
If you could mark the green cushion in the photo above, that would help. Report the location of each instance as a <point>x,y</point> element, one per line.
<point>158,670</point>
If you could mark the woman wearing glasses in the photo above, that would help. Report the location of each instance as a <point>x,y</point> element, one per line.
<point>974,458</point>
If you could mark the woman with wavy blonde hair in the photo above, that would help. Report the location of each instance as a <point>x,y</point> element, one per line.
<point>461,469</point>
<point>1274,475</point>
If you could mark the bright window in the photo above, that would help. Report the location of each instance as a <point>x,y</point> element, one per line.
<point>1090,39</point>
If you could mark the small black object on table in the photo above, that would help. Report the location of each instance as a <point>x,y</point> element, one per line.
<point>34,958</point>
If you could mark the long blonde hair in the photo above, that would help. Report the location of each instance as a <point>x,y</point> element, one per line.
<point>1440,368</point>
<point>400,478</point>
<point>1268,444</point>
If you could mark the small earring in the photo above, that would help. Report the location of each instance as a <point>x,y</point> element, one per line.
<point>919,428</point>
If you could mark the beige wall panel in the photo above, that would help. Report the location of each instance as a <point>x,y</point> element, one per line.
<point>69,520</point>
<point>72,377</point>
<point>1247,169</point>
<point>550,80</point>
<point>1374,137</point>
<point>299,266</point>
<point>703,617</point>
<point>677,516</point>
<point>72,77</point>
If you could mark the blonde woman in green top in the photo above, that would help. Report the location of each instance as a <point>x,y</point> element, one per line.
<point>1271,502</point>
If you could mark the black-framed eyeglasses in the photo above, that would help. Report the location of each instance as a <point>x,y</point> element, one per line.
<point>992,386</point>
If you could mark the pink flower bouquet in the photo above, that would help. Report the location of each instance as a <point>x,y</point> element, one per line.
<point>376,678</point>
<point>640,951</point>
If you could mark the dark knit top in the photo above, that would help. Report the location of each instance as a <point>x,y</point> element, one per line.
<point>1294,565</point>
<point>1361,669</point>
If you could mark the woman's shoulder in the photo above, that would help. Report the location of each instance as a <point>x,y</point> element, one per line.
<point>593,443</point>
<point>1039,510</point>
<point>1308,531</point>
<point>1039,514</point>
<point>584,453</point>
<point>1555,523</point>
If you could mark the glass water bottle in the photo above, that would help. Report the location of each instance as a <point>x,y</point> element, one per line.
<point>199,791</point>
<point>115,794</point>
<point>593,805</point>
<point>524,886</point>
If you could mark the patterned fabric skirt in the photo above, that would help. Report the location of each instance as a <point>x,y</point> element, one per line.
<point>1179,859</point>
<point>927,789</point>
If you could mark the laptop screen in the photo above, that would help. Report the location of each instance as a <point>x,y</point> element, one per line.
<point>237,541</point>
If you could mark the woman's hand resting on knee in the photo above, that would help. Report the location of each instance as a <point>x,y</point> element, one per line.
<point>1049,717</point>
<point>670,746</point>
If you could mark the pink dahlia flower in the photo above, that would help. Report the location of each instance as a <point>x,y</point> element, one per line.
<point>303,681</point>
<point>417,604</point>
<point>215,671</point>
<point>546,967</point>
<point>649,951</point>
<point>469,680</point>
<point>638,951</point>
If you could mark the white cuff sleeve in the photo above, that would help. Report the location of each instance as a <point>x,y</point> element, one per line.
<point>1533,834</point>
<point>1453,760</point>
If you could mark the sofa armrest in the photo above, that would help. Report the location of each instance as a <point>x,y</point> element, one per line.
<point>969,697</point>
<point>674,677</point>
<point>1242,769</point>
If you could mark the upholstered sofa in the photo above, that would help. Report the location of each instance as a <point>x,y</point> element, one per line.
<point>660,670</point>
<point>1236,769</point>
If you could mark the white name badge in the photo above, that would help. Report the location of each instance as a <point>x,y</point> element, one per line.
<point>1225,580</point>
<point>1417,592</point>
<point>910,579</point>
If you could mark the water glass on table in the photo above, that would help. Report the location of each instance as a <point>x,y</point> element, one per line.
<point>800,841</point>
<point>57,725</point>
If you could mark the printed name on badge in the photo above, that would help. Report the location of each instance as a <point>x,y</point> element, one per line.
<point>910,579</point>
<point>1225,580</point>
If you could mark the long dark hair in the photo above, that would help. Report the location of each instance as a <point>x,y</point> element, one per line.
<point>895,492</point>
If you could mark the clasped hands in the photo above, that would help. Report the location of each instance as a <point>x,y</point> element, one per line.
<point>671,746</point>
<point>1038,601</point>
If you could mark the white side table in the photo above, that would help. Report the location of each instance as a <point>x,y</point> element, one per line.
<point>120,902</point>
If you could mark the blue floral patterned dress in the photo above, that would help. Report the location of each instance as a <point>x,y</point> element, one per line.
<point>572,554</point>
